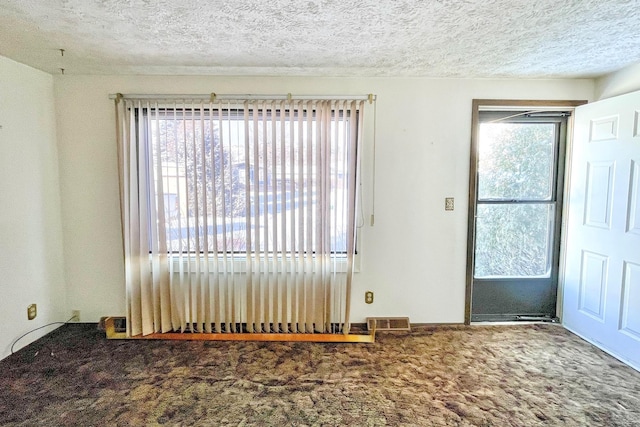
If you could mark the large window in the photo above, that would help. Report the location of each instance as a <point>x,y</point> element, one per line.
<point>262,179</point>
<point>238,215</point>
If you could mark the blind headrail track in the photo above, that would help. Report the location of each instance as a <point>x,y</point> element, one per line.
<point>237,97</point>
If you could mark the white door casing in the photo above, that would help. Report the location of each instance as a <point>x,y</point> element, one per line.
<point>601,289</point>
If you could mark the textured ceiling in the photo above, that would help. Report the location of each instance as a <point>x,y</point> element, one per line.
<point>434,38</point>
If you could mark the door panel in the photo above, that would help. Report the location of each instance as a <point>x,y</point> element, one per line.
<point>630,316</point>
<point>599,194</point>
<point>633,217</point>
<point>593,284</point>
<point>601,296</point>
<point>505,298</point>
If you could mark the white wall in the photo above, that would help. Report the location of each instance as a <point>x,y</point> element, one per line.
<point>622,81</point>
<point>414,258</point>
<point>31,258</point>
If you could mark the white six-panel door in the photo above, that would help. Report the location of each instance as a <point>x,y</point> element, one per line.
<point>601,297</point>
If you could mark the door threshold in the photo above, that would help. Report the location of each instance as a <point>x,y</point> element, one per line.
<point>513,323</point>
<point>494,318</point>
<point>516,320</point>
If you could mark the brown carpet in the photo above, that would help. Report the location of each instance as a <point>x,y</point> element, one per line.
<point>529,375</point>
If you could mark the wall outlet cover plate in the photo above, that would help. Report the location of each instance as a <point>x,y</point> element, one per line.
<point>32,311</point>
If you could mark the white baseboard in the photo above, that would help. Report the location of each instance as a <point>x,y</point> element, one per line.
<point>606,349</point>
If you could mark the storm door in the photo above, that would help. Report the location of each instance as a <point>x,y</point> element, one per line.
<point>517,214</point>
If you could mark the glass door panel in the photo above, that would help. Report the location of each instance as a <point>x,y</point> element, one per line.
<point>514,240</point>
<point>516,161</point>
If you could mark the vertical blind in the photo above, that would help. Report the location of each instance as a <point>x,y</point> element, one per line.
<point>238,215</point>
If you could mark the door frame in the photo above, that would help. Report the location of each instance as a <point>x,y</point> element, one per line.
<point>505,104</point>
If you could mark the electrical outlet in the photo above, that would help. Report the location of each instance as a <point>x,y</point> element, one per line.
<point>448,203</point>
<point>75,315</point>
<point>32,311</point>
<point>368,297</point>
